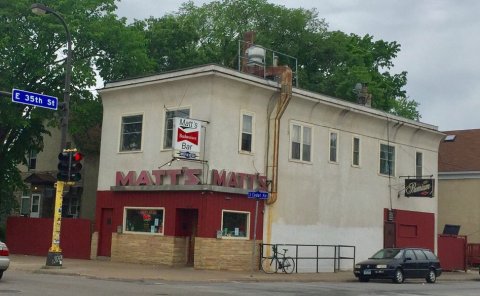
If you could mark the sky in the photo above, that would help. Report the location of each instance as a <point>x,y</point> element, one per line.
<point>439,46</point>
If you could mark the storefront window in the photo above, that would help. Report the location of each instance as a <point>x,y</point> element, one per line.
<point>235,224</point>
<point>145,220</point>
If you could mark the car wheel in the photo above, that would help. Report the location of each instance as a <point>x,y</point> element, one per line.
<point>363,279</point>
<point>398,276</point>
<point>431,277</point>
<point>1,274</point>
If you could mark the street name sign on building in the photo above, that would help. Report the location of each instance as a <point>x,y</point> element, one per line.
<point>258,195</point>
<point>34,99</point>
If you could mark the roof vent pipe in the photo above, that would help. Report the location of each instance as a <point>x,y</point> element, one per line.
<point>275,61</point>
<point>363,96</point>
<point>255,56</point>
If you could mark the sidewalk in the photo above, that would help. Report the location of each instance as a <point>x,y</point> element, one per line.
<point>104,269</point>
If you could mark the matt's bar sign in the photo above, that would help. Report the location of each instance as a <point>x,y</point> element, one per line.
<point>186,138</point>
<point>419,187</point>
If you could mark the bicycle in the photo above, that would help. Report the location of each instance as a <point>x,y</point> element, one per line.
<point>278,262</point>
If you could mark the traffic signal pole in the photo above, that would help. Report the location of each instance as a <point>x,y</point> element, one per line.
<point>54,256</point>
<point>69,167</point>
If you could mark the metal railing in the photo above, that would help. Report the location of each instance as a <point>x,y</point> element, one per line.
<point>338,254</point>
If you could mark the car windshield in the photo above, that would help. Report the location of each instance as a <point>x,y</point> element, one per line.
<point>387,254</point>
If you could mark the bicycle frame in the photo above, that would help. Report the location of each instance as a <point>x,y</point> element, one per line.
<point>281,261</point>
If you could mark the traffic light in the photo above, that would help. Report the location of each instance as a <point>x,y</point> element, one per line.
<point>75,166</point>
<point>69,166</point>
<point>63,166</point>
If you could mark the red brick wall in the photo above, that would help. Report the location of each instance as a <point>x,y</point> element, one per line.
<point>33,236</point>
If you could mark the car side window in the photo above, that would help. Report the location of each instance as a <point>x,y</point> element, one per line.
<point>430,255</point>
<point>420,255</point>
<point>409,254</point>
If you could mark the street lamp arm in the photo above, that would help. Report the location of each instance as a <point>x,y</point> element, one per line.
<point>41,9</point>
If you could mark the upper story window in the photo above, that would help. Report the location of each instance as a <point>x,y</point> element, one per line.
<point>387,160</point>
<point>356,151</point>
<point>301,142</point>
<point>32,160</point>
<point>168,133</point>
<point>246,136</point>
<point>419,164</point>
<point>333,146</point>
<point>131,138</point>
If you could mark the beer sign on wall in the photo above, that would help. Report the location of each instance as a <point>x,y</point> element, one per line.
<point>419,187</point>
<point>186,138</point>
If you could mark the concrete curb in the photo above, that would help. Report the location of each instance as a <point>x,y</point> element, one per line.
<point>107,270</point>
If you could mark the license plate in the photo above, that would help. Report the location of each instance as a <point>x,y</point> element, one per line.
<point>367,272</point>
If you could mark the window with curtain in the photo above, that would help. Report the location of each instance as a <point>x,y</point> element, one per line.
<point>387,160</point>
<point>246,137</point>
<point>419,164</point>
<point>333,147</point>
<point>131,136</point>
<point>301,142</point>
<point>356,151</point>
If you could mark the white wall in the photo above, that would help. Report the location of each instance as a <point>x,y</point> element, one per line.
<point>318,202</point>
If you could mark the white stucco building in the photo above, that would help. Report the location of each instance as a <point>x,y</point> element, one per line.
<point>335,171</point>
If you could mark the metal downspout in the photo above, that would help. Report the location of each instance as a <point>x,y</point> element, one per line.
<point>285,96</point>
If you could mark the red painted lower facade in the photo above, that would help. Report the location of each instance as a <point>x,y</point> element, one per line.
<point>409,229</point>
<point>183,211</point>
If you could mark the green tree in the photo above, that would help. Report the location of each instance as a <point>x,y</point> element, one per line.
<point>32,51</point>
<point>329,62</point>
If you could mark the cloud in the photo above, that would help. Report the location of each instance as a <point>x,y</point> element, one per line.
<point>438,46</point>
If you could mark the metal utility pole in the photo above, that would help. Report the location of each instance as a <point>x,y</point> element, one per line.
<point>55,257</point>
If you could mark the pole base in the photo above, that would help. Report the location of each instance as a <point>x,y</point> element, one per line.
<point>54,259</point>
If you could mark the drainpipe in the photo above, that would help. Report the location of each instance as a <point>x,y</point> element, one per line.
<point>285,96</point>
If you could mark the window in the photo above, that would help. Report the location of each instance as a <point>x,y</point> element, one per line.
<point>387,160</point>
<point>131,133</point>
<point>73,207</point>
<point>430,255</point>
<point>301,142</point>
<point>450,138</point>
<point>168,134</point>
<point>409,254</point>
<point>35,206</point>
<point>25,206</point>
<point>420,255</point>
<point>333,146</point>
<point>246,135</point>
<point>419,164</point>
<point>235,224</point>
<point>144,220</point>
<point>356,151</point>
<point>32,160</point>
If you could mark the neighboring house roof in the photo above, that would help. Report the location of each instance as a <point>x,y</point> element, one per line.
<point>41,179</point>
<point>460,151</point>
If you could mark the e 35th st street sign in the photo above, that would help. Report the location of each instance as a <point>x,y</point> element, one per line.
<point>34,99</point>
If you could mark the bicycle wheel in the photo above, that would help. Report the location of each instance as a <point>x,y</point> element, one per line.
<point>288,265</point>
<point>269,265</point>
